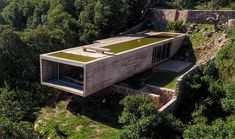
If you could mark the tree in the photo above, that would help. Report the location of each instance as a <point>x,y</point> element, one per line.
<point>141,119</point>
<point>226,67</point>
<point>39,15</point>
<point>134,9</point>
<point>1,19</point>
<point>63,26</point>
<point>218,129</point>
<point>138,117</point>
<point>3,3</point>
<point>15,59</point>
<point>14,16</point>
<point>215,19</point>
<point>11,130</point>
<point>185,4</point>
<point>228,102</point>
<point>18,12</point>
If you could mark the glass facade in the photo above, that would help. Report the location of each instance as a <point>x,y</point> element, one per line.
<point>71,75</point>
<point>161,52</point>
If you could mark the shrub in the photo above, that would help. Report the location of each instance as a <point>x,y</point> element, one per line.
<point>176,26</point>
<point>16,130</point>
<point>184,4</point>
<point>141,120</point>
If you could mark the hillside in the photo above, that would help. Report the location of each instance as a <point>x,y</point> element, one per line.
<point>29,110</point>
<point>206,42</point>
<point>97,116</point>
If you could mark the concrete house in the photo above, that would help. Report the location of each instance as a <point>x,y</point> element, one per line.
<point>87,69</point>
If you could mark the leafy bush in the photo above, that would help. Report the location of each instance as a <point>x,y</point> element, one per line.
<point>212,100</point>
<point>225,61</point>
<point>16,104</point>
<point>21,130</point>
<point>231,33</point>
<point>184,4</point>
<point>141,120</point>
<point>228,103</point>
<point>218,129</point>
<point>176,26</point>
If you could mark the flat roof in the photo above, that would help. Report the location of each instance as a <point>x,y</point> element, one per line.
<point>128,45</point>
<point>111,46</point>
<point>72,56</point>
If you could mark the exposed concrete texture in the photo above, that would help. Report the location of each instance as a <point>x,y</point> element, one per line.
<point>107,69</point>
<point>174,65</point>
<point>104,73</point>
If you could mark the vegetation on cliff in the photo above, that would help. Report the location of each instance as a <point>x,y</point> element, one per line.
<point>31,27</point>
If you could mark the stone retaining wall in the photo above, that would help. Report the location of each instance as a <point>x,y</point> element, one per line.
<point>162,16</point>
<point>163,98</point>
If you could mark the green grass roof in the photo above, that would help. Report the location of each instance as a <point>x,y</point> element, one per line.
<point>73,57</point>
<point>124,46</point>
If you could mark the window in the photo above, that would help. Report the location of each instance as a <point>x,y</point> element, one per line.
<point>161,52</point>
<point>71,74</point>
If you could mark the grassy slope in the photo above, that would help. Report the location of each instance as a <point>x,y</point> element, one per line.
<point>200,42</point>
<point>198,38</point>
<point>95,117</point>
<point>73,126</point>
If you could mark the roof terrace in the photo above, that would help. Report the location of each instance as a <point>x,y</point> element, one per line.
<point>111,46</point>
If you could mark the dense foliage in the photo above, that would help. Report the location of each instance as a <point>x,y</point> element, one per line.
<point>141,120</point>
<point>176,26</point>
<point>29,28</point>
<point>16,130</point>
<point>194,4</point>
<point>208,102</point>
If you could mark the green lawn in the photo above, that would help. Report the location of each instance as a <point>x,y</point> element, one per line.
<point>124,46</point>
<point>72,57</point>
<point>164,79</point>
<point>93,117</point>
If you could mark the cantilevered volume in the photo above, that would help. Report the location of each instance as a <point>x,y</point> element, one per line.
<point>87,69</point>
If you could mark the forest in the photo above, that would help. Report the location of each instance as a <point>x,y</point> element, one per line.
<point>29,28</point>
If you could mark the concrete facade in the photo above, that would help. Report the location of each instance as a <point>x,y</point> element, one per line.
<point>107,69</point>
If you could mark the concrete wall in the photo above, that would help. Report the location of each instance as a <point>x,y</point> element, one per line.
<point>162,16</point>
<point>104,73</point>
<point>49,70</point>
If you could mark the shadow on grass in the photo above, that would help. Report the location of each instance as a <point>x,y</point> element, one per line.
<point>165,79</point>
<point>101,107</point>
<point>158,78</point>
